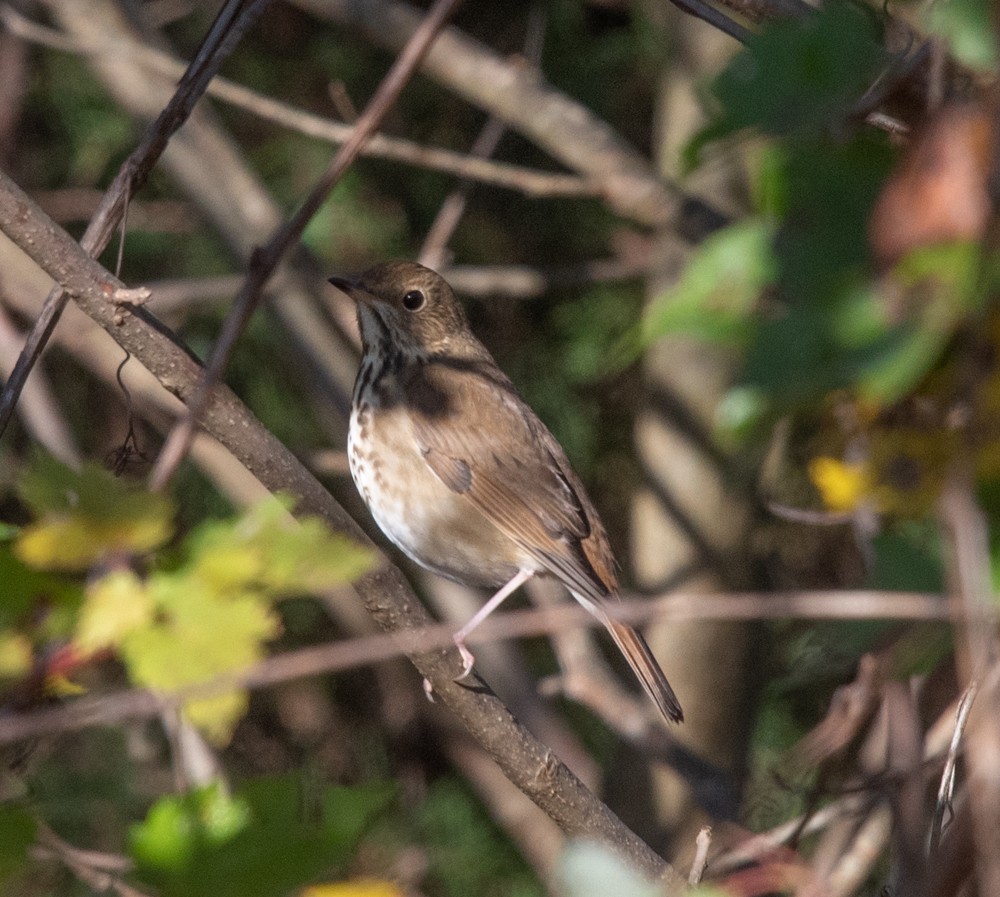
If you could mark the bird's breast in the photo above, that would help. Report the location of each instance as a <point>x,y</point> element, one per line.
<point>438,528</point>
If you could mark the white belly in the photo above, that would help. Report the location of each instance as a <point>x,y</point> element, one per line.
<point>436,527</point>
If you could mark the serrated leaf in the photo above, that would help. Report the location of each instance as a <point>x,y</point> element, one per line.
<point>798,75</point>
<point>199,635</point>
<point>283,555</point>
<point>86,515</point>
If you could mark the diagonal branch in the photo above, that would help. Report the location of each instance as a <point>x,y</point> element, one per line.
<point>562,127</point>
<point>266,259</point>
<point>230,25</point>
<point>530,181</point>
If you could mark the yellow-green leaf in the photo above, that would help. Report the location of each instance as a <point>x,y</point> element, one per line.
<point>115,606</point>
<point>15,655</point>
<point>198,635</point>
<point>273,550</point>
<point>86,515</point>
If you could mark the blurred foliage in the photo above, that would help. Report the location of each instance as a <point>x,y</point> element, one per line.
<point>167,625</point>
<point>592,870</point>
<point>254,843</point>
<point>967,27</point>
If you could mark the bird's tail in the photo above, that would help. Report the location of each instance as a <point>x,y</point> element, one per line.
<point>647,670</point>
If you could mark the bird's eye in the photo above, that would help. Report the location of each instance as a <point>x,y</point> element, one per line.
<point>414,300</point>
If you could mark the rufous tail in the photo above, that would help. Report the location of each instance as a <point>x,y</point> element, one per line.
<point>647,670</point>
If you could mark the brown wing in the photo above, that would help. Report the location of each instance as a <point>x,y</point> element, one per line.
<point>484,442</point>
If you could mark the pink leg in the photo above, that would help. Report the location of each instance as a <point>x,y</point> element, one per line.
<point>468,661</point>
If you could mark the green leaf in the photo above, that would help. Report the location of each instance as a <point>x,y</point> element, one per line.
<point>17,834</point>
<point>265,841</point>
<point>967,26</point>
<point>116,605</point>
<point>25,589</point>
<point>595,329</point>
<point>942,282</point>
<point>825,326</point>
<point>799,75</point>
<point>212,612</point>
<point>830,189</point>
<point>86,515</point>
<point>176,828</point>
<point>721,284</point>
<point>278,553</point>
<point>196,635</point>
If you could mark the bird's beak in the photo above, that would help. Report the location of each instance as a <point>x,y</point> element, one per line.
<point>348,285</point>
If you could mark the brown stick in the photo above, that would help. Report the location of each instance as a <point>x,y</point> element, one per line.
<point>519,95</point>
<point>966,536</point>
<point>372,649</point>
<point>266,259</point>
<point>229,26</point>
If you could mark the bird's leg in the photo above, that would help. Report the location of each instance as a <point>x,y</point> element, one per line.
<point>468,661</point>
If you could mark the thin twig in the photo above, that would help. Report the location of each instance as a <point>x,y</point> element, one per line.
<point>558,124</point>
<point>966,536</point>
<point>266,259</point>
<point>529,181</point>
<point>100,872</point>
<point>525,282</point>
<point>39,409</point>
<point>714,17</point>
<point>702,843</point>
<point>378,648</point>
<point>758,846</point>
<point>432,253</point>
<point>228,28</point>
<point>947,786</point>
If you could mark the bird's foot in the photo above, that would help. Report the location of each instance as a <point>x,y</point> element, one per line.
<point>468,661</point>
<point>429,690</point>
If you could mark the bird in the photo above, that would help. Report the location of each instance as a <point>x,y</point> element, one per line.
<point>460,473</point>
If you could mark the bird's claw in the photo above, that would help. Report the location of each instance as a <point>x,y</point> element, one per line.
<point>468,662</point>
<point>429,690</point>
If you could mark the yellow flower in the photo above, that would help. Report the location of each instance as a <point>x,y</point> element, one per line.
<point>842,486</point>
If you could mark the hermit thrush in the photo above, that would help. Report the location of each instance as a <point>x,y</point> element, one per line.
<point>460,473</point>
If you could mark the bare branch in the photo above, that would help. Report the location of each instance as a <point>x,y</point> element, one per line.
<point>228,28</point>
<point>266,259</point>
<point>530,181</point>
<point>432,637</point>
<point>969,578</point>
<point>518,94</point>
<point>38,408</point>
<point>946,789</point>
<point>432,253</point>
<point>99,871</point>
